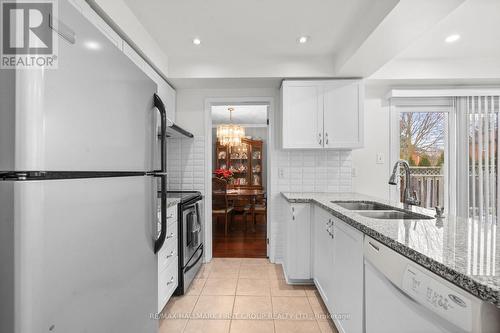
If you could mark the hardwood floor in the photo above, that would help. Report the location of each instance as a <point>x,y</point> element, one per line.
<point>238,243</point>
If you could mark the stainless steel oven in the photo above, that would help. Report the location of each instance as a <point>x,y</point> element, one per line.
<point>190,230</point>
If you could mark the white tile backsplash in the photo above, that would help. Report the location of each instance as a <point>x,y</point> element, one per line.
<point>313,171</point>
<point>305,171</point>
<point>296,171</point>
<point>186,164</point>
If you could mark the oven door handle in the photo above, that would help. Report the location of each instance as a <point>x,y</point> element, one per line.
<point>188,268</point>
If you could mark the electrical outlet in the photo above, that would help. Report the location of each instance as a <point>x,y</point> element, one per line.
<point>354,172</point>
<point>281,173</point>
<point>380,158</point>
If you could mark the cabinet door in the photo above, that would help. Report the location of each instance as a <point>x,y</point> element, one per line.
<point>347,278</point>
<point>343,114</point>
<point>323,254</point>
<point>302,115</point>
<point>298,257</point>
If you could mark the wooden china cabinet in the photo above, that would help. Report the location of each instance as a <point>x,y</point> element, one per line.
<point>245,161</point>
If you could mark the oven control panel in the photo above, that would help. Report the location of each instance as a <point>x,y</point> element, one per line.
<point>439,298</point>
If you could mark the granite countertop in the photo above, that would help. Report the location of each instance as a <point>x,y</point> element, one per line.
<point>173,200</point>
<point>464,252</point>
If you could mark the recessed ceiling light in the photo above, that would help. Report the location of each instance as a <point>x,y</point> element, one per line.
<point>196,41</point>
<point>452,38</point>
<point>303,39</point>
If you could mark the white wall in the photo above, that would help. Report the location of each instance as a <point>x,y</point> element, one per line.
<point>302,170</point>
<point>371,177</point>
<point>191,104</point>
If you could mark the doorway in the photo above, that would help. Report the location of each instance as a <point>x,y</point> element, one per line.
<point>238,174</point>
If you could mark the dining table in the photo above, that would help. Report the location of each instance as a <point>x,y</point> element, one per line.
<point>250,194</point>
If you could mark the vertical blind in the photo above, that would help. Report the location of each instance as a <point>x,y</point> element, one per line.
<point>481,130</point>
<point>482,156</point>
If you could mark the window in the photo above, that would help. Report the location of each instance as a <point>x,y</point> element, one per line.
<point>422,144</point>
<point>451,144</point>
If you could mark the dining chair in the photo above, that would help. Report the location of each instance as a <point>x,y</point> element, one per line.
<point>220,202</point>
<point>260,208</point>
<point>242,207</point>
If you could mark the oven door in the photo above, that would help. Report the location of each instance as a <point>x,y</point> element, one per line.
<point>192,230</point>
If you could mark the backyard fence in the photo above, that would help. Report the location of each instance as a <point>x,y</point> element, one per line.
<point>428,183</point>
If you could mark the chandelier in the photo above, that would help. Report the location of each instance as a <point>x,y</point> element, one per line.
<point>230,134</point>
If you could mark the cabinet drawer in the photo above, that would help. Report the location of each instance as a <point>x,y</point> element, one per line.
<point>167,282</point>
<point>172,215</point>
<point>171,231</point>
<point>167,254</point>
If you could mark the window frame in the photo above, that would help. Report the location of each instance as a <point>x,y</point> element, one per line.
<point>444,105</point>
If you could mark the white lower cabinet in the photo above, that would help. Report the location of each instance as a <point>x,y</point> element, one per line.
<point>338,269</point>
<point>346,296</point>
<point>168,261</point>
<point>297,263</point>
<point>322,254</point>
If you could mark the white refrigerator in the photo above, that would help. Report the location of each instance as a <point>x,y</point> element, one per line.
<point>80,168</point>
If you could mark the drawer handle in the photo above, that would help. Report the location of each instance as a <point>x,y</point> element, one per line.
<point>374,246</point>
<point>171,281</point>
<point>170,216</point>
<point>170,255</point>
<point>170,236</point>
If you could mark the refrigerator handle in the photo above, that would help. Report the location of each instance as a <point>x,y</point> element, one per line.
<point>163,135</point>
<point>162,173</point>
<point>163,213</point>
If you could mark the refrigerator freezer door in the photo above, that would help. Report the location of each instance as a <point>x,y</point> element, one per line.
<point>93,113</point>
<point>84,259</point>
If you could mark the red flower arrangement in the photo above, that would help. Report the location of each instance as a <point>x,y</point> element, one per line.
<point>225,174</point>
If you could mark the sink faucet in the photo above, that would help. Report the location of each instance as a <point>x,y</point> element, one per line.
<point>407,198</point>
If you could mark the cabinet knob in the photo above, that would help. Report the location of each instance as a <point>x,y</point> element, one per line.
<point>171,281</point>
<point>326,138</point>
<point>319,139</point>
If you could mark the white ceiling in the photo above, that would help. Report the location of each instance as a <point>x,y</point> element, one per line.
<point>257,33</point>
<point>383,40</point>
<point>476,55</point>
<point>242,114</point>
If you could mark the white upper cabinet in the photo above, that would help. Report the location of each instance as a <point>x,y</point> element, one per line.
<point>322,114</point>
<point>302,115</point>
<point>343,114</point>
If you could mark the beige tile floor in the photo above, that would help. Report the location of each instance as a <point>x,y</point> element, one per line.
<point>245,296</point>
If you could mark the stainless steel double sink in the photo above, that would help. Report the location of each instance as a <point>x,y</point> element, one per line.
<point>376,210</point>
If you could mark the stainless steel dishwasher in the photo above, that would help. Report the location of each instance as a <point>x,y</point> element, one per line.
<point>402,296</point>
